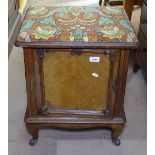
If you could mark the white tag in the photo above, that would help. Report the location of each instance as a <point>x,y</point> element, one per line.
<point>95,74</point>
<point>94,59</point>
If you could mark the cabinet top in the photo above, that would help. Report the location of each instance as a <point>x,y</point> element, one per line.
<point>76,27</point>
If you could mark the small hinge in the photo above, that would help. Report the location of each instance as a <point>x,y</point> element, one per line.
<point>40,54</point>
<point>107,51</point>
<point>111,54</point>
<point>115,86</point>
<point>76,52</point>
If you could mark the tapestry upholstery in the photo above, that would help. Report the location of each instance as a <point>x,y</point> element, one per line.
<point>76,24</point>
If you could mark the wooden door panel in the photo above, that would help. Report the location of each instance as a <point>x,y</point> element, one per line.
<point>59,80</point>
<point>73,82</point>
<point>92,82</point>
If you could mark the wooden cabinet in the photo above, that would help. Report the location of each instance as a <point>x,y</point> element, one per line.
<point>76,66</point>
<point>141,56</point>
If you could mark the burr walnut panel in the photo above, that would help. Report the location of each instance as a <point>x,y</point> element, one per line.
<point>76,82</point>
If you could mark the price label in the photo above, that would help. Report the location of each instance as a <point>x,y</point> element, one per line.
<point>94,59</point>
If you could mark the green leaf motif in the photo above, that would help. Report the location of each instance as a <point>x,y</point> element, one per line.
<point>105,20</point>
<point>28,24</point>
<point>125,24</point>
<point>48,21</point>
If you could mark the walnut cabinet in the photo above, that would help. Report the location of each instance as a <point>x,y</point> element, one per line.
<point>76,74</point>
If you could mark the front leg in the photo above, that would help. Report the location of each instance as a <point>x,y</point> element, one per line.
<point>116,131</point>
<point>33,131</point>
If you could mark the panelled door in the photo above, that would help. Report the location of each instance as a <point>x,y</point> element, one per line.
<point>76,82</point>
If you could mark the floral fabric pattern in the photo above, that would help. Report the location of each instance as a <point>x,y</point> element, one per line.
<point>76,24</point>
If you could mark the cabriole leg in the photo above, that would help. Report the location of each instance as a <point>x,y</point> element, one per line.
<point>116,131</point>
<point>33,131</point>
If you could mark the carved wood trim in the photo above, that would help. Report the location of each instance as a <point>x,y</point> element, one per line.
<point>69,45</point>
<point>73,113</point>
<point>73,120</point>
<point>111,95</point>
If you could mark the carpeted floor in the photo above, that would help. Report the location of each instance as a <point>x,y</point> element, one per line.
<point>93,142</point>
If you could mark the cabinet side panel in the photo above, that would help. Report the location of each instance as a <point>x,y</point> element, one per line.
<point>122,77</point>
<point>29,58</point>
